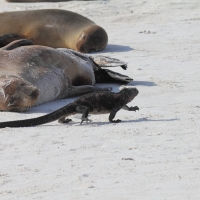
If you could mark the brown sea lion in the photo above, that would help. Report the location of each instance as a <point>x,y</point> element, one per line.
<point>54,28</point>
<point>95,103</point>
<point>32,74</point>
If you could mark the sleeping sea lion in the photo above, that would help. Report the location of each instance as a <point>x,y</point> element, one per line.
<point>32,74</point>
<point>54,28</point>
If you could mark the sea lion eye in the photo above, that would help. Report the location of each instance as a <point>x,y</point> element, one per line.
<point>12,102</point>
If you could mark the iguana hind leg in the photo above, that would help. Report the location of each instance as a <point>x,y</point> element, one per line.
<point>112,116</point>
<point>85,110</point>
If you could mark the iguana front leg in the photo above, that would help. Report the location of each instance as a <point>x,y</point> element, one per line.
<point>112,116</point>
<point>130,108</point>
<point>114,111</point>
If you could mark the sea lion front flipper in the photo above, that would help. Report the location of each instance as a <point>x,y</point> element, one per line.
<point>83,89</point>
<point>6,39</point>
<point>104,61</point>
<point>17,43</point>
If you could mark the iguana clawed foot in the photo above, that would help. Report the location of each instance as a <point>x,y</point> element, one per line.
<point>85,119</point>
<point>116,121</point>
<point>133,108</point>
<point>64,121</point>
<point>67,121</point>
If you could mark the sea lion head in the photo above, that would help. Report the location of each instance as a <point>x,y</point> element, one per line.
<point>17,94</point>
<point>93,38</point>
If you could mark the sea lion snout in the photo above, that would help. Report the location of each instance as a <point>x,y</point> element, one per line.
<point>34,94</point>
<point>92,39</point>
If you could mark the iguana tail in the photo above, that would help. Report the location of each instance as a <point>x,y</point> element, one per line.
<point>62,112</point>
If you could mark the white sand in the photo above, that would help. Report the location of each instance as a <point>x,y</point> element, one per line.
<point>160,40</point>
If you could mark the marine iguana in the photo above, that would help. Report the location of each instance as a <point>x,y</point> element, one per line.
<point>100,102</point>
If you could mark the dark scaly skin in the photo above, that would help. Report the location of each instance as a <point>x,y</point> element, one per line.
<point>96,103</point>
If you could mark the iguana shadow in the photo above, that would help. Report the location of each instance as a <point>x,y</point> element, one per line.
<point>135,121</point>
<point>92,123</point>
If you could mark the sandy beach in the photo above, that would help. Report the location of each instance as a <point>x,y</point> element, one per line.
<point>153,154</point>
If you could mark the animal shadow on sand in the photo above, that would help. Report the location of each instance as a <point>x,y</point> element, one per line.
<point>111,48</point>
<point>93,123</point>
<point>144,119</point>
<point>142,83</point>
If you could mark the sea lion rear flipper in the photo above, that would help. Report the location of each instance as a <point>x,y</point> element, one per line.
<point>108,76</point>
<point>119,77</point>
<point>17,43</point>
<point>104,61</point>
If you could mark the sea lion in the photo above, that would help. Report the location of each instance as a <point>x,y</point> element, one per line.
<point>96,103</point>
<point>54,28</point>
<point>31,75</point>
